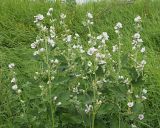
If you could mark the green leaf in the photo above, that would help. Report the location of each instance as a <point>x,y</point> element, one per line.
<point>72,118</point>
<point>105,109</point>
<point>100,123</point>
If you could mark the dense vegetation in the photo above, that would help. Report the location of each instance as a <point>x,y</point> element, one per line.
<point>17,33</point>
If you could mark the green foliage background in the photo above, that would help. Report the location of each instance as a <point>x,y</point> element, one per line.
<point>17,32</point>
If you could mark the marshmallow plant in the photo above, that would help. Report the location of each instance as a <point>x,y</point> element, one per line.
<point>87,82</point>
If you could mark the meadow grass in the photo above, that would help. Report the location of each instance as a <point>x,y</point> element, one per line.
<point>17,32</point>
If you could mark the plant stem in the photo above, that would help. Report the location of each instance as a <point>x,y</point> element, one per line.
<point>93,119</point>
<point>119,68</point>
<point>49,86</point>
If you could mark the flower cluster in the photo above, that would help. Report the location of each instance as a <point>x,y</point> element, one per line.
<point>89,68</point>
<point>14,80</point>
<point>38,18</point>
<point>89,20</point>
<point>118,27</point>
<point>103,37</point>
<point>88,108</point>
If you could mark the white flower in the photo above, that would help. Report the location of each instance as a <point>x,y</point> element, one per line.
<point>52,78</point>
<point>91,51</point>
<point>50,10</point>
<point>129,91</point>
<point>102,62</point>
<point>130,104</point>
<point>44,29</point>
<point>126,81</point>
<point>37,73</point>
<point>137,96</point>
<point>89,15</point>
<point>114,48</point>
<point>41,49</point>
<point>143,62</point>
<point>144,91</point>
<point>89,63</point>
<point>118,26</point>
<point>56,61</point>
<point>36,53</point>
<point>13,80</point>
<point>39,17</point>
<point>75,90</point>
<point>15,87</point>
<point>69,38</point>
<point>55,98</point>
<point>74,46</point>
<point>12,65</point>
<point>139,40</point>
<point>19,91</point>
<point>22,101</point>
<point>137,36</point>
<point>137,19</point>
<point>88,108</point>
<point>48,14</point>
<point>99,37</point>
<point>105,36</point>
<point>133,126</point>
<point>98,102</point>
<point>77,35</point>
<point>141,116</point>
<point>121,77</point>
<point>143,49</point>
<point>89,35</point>
<point>144,98</point>
<point>33,45</point>
<point>62,16</point>
<point>100,56</point>
<point>81,50</point>
<point>59,103</point>
<point>51,42</point>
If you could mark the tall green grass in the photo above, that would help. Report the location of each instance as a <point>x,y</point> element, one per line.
<point>17,32</point>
